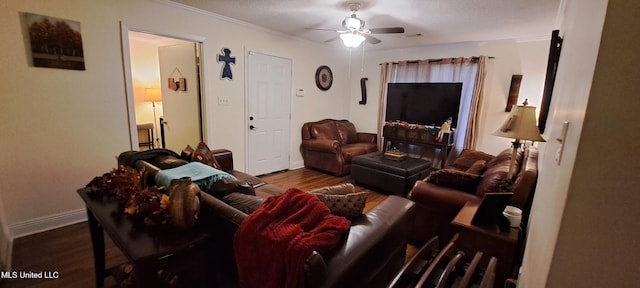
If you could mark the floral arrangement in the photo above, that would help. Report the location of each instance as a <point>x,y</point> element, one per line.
<point>123,184</point>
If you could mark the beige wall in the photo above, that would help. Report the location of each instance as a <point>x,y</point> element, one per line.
<point>526,57</point>
<point>597,243</point>
<point>67,126</point>
<point>583,231</point>
<point>581,32</point>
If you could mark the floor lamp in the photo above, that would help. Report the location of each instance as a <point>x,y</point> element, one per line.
<point>153,95</point>
<point>520,125</point>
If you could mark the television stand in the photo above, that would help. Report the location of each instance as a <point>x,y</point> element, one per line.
<point>422,137</point>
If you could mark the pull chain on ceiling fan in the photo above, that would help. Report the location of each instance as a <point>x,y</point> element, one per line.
<point>354,32</point>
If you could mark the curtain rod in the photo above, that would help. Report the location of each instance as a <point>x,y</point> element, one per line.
<point>475,58</point>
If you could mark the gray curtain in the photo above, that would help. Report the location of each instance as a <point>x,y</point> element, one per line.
<point>471,139</point>
<point>387,75</point>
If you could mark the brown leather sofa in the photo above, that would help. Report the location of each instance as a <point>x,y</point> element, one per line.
<point>368,255</point>
<point>329,145</point>
<point>438,200</point>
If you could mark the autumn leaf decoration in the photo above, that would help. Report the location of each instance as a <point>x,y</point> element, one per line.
<point>148,205</point>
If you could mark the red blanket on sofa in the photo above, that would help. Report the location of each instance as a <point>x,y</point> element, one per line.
<point>273,242</point>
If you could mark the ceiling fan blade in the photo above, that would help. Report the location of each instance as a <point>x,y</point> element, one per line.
<point>371,40</point>
<point>322,29</point>
<point>387,30</point>
<point>332,39</point>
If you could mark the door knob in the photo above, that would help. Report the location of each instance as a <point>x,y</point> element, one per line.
<point>252,127</point>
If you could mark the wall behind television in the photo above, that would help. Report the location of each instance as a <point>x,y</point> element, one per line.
<point>528,58</point>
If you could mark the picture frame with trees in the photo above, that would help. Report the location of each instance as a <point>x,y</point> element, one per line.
<point>54,42</point>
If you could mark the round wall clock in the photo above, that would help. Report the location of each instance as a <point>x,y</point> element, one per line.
<point>324,78</point>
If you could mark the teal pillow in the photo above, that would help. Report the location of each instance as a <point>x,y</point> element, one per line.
<point>201,174</point>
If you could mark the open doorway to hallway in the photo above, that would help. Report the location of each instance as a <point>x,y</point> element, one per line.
<point>165,91</point>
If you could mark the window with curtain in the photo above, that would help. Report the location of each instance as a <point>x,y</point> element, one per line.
<point>470,71</point>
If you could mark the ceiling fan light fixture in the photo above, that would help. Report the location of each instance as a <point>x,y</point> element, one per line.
<point>352,23</point>
<point>352,40</point>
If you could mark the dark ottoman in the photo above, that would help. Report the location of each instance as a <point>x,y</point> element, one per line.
<point>389,176</point>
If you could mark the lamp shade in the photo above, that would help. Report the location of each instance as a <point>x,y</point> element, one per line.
<point>152,95</point>
<point>521,124</point>
<point>352,40</point>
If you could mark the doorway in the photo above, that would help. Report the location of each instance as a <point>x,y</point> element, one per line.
<point>170,68</point>
<point>269,89</point>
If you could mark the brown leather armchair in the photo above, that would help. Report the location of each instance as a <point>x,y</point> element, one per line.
<point>438,204</point>
<point>329,145</point>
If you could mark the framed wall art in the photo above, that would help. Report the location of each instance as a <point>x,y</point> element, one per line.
<point>514,91</point>
<point>549,81</point>
<point>55,42</point>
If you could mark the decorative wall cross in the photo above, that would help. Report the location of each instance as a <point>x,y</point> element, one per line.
<point>227,59</point>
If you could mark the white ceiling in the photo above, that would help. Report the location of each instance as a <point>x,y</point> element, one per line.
<point>438,21</point>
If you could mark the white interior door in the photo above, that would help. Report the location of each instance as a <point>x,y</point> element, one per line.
<point>181,107</point>
<point>269,110</point>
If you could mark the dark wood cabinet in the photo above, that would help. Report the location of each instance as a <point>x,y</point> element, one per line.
<point>424,137</point>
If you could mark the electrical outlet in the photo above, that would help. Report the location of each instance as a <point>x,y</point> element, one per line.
<point>223,101</point>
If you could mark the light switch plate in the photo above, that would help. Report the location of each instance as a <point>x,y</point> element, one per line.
<point>300,92</point>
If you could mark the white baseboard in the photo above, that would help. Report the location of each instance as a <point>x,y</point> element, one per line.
<point>47,223</point>
<point>296,165</point>
<point>35,226</point>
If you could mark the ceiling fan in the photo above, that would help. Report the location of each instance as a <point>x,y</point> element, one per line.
<point>354,32</point>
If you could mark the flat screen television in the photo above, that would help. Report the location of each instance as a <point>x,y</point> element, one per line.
<point>423,103</point>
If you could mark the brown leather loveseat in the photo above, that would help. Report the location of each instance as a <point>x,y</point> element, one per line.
<point>441,195</point>
<point>329,145</point>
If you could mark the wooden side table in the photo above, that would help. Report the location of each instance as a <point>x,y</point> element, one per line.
<point>489,240</point>
<point>149,250</point>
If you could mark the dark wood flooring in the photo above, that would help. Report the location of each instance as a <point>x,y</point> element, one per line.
<point>68,250</point>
